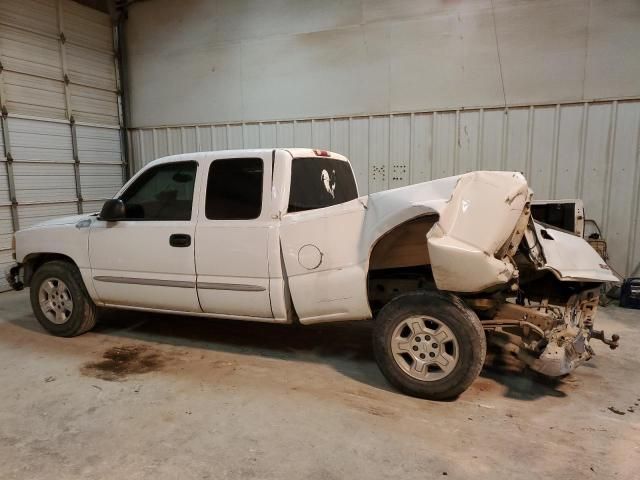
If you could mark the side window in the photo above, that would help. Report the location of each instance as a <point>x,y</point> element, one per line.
<point>164,192</point>
<point>234,189</point>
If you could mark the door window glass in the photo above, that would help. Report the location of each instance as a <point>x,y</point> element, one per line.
<point>164,192</point>
<point>234,189</point>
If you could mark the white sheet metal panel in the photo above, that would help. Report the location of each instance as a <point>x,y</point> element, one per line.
<point>43,162</point>
<point>259,60</point>
<point>87,27</point>
<point>98,144</point>
<point>27,52</point>
<point>34,96</point>
<point>100,182</point>
<point>92,105</point>
<point>34,15</point>
<point>91,68</point>
<point>41,141</point>
<point>583,150</point>
<point>101,173</point>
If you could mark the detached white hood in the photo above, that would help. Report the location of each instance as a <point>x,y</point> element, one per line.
<point>571,258</point>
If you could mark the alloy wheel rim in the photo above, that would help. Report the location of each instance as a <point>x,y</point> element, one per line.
<point>55,300</point>
<point>424,348</point>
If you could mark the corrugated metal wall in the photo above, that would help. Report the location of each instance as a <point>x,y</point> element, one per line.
<point>61,142</point>
<point>584,150</point>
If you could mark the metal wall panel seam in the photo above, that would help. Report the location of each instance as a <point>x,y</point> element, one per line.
<point>227,134</point>
<point>556,144</point>
<point>15,221</point>
<point>505,139</point>
<point>583,149</point>
<point>635,210</point>
<point>434,141</point>
<point>198,144</point>
<point>611,145</point>
<point>182,139</point>
<point>349,137</point>
<point>141,146</point>
<point>169,142</point>
<point>67,100</point>
<point>389,169</point>
<point>76,164</point>
<point>456,145</point>
<point>154,137</point>
<point>476,157</point>
<point>528,161</point>
<point>480,151</point>
<point>412,147</point>
<point>368,151</point>
<point>331,126</point>
<point>118,62</point>
<point>310,132</point>
<point>48,202</point>
<point>63,59</point>
<point>22,116</point>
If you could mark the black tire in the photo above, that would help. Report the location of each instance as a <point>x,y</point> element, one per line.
<point>449,310</point>
<point>83,315</point>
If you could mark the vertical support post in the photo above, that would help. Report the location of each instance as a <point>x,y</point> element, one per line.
<point>15,222</point>
<point>67,99</point>
<point>120,62</point>
<point>76,164</point>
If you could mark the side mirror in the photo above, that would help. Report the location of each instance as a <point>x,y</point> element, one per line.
<point>113,210</point>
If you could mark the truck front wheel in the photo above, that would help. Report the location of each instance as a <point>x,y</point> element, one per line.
<point>429,344</point>
<point>59,300</point>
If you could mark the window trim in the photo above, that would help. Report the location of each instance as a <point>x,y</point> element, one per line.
<point>262,190</point>
<point>142,173</point>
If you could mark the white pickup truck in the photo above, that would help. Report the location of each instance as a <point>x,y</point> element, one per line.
<point>282,236</point>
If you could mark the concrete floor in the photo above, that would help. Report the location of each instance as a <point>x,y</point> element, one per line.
<point>149,396</point>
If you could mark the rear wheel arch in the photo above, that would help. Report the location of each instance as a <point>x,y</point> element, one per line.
<point>397,255</point>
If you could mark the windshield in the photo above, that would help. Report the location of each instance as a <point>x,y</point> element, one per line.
<point>320,182</point>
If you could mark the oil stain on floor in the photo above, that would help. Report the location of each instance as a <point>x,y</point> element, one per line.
<point>121,361</point>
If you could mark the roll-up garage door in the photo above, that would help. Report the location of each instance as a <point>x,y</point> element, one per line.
<point>60,146</point>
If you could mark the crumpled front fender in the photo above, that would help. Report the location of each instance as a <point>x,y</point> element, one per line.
<point>476,223</point>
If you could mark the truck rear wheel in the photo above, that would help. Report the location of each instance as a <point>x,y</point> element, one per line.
<point>59,300</point>
<point>429,345</point>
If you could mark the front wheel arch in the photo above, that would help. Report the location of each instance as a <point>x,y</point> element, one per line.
<point>67,293</point>
<point>33,261</point>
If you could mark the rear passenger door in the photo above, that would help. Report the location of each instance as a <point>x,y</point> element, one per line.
<point>232,237</point>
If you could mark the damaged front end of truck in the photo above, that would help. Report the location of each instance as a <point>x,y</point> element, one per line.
<point>547,281</point>
<point>549,321</point>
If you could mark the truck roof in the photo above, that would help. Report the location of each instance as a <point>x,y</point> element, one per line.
<point>294,152</point>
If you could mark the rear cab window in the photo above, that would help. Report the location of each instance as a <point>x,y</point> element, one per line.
<point>319,182</point>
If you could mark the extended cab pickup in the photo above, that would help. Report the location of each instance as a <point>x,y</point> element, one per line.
<point>281,235</point>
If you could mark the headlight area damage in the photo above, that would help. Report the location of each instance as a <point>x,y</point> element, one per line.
<point>535,288</point>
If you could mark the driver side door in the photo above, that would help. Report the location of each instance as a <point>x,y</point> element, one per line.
<point>147,259</point>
